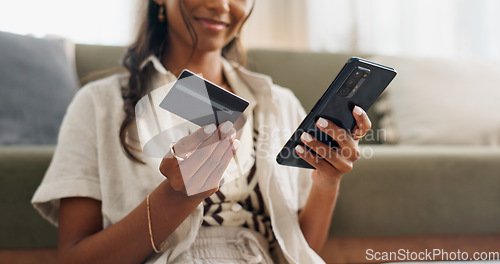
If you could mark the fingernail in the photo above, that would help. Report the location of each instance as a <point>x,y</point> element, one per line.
<point>210,129</point>
<point>232,134</point>
<point>300,149</point>
<point>235,144</point>
<point>306,137</point>
<point>358,110</point>
<point>322,122</point>
<point>226,127</point>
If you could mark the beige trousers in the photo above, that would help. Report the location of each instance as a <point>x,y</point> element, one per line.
<point>226,244</point>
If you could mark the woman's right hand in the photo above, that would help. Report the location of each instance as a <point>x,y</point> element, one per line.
<point>206,154</point>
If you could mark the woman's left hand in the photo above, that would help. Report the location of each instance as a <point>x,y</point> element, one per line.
<point>332,164</point>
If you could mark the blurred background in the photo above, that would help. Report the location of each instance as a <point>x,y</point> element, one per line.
<point>445,28</point>
<point>431,178</point>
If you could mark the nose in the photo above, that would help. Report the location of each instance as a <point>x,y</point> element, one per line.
<point>220,6</point>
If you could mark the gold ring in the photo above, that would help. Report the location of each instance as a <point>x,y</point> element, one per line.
<point>356,137</point>
<point>177,157</point>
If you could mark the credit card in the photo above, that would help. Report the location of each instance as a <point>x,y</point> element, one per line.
<point>202,102</point>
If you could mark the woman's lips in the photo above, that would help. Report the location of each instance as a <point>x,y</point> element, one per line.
<point>212,25</point>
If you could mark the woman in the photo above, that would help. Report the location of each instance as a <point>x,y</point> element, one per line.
<point>113,206</point>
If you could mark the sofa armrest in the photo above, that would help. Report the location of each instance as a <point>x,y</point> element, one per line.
<point>21,169</point>
<point>420,190</point>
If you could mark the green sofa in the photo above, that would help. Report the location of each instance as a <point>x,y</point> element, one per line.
<point>399,191</point>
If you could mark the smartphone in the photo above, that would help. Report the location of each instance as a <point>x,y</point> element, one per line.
<point>360,82</point>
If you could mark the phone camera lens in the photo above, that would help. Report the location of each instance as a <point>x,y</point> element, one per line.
<point>357,74</point>
<point>351,82</point>
<point>344,91</point>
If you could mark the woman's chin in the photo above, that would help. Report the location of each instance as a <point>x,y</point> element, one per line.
<point>211,46</point>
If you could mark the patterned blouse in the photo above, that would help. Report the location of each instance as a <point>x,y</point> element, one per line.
<point>239,202</point>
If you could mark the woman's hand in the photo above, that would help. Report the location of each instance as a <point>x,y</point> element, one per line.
<point>199,160</point>
<point>332,164</point>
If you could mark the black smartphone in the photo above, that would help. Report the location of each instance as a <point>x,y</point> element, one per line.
<point>360,82</point>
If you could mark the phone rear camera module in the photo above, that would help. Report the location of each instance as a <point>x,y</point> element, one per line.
<point>353,82</point>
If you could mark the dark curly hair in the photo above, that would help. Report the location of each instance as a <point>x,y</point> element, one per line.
<point>151,37</point>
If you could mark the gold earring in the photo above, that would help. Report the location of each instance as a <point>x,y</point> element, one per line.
<point>161,14</point>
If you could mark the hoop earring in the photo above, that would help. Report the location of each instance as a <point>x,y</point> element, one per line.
<point>161,14</point>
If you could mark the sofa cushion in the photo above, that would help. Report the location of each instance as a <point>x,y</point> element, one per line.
<point>94,62</point>
<point>37,83</point>
<point>21,170</point>
<point>442,101</point>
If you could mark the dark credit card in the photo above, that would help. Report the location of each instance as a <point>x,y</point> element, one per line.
<point>202,102</point>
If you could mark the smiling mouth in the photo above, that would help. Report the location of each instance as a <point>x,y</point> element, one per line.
<point>212,25</point>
